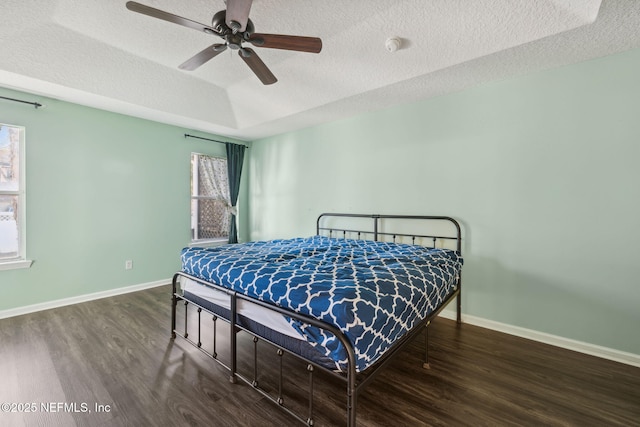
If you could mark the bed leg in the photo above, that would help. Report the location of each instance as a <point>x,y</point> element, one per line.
<point>426,365</point>
<point>351,398</point>
<point>459,303</point>
<point>232,339</point>
<point>351,409</point>
<point>174,303</point>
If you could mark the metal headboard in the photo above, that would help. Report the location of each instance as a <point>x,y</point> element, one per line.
<point>375,232</point>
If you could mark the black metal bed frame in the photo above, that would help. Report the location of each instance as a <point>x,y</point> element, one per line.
<point>354,381</point>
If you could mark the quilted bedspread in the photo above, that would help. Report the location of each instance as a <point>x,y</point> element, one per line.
<point>374,292</point>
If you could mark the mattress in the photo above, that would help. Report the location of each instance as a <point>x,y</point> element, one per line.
<point>374,292</point>
<point>271,319</point>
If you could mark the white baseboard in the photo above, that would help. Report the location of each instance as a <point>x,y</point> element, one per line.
<point>569,344</point>
<point>80,298</point>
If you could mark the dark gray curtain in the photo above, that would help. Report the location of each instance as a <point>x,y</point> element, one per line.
<point>235,158</point>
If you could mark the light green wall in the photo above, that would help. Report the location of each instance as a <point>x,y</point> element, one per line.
<point>541,170</point>
<point>101,188</point>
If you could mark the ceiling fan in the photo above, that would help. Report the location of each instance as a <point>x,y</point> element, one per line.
<point>234,27</point>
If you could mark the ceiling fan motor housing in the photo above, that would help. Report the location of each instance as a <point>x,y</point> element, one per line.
<point>218,23</point>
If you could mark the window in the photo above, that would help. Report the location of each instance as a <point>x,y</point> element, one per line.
<point>209,198</point>
<point>12,205</point>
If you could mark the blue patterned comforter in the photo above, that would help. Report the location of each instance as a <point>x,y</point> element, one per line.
<point>374,292</point>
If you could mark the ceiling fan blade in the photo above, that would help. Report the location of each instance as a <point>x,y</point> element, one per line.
<point>257,66</point>
<point>279,41</point>
<point>238,14</point>
<point>203,56</point>
<point>166,16</point>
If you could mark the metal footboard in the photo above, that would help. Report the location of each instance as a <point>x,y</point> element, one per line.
<point>349,376</point>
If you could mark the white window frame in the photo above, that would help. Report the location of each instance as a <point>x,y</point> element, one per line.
<point>192,197</point>
<point>20,261</point>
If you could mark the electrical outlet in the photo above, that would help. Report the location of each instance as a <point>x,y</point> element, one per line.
<point>128,264</point>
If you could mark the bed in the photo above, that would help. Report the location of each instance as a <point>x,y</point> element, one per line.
<point>344,301</point>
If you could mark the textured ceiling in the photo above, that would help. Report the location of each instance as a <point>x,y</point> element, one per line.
<point>98,53</point>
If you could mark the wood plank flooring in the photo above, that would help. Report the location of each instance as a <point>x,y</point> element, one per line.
<point>111,363</point>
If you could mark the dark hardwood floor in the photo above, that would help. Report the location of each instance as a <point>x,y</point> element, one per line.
<point>111,363</point>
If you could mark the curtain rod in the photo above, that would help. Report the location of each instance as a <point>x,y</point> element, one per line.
<point>35,104</point>
<point>186,135</point>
